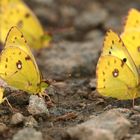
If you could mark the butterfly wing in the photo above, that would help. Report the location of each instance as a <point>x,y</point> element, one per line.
<point>18,70</point>
<point>131,36</point>
<point>16,13</point>
<point>114,46</point>
<point>112,79</point>
<point>15,38</point>
<point>133,20</point>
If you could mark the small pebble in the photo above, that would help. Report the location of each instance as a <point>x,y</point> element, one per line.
<point>3,127</point>
<point>28,134</point>
<point>17,118</point>
<point>92,83</point>
<point>37,105</point>
<point>137,108</point>
<point>30,122</point>
<point>135,137</point>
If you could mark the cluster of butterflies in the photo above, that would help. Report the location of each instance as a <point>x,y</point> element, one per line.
<point>18,67</point>
<point>118,68</point>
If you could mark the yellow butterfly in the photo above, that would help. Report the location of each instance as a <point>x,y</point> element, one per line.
<point>131,36</point>
<point>116,72</point>
<point>18,66</point>
<point>16,13</point>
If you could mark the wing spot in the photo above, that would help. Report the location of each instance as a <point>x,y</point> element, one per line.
<point>120,41</point>
<point>137,21</point>
<point>104,80</point>
<point>115,61</point>
<point>27,57</point>
<point>115,73</point>
<point>20,24</point>
<point>123,62</point>
<point>27,15</point>
<point>112,41</point>
<point>17,10</point>
<point>133,37</point>
<point>19,64</point>
<point>108,63</point>
<point>38,84</point>
<point>29,83</point>
<point>138,48</point>
<point>5,21</point>
<point>22,36</point>
<point>103,73</point>
<point>5,65</point>
<point>11,12</point>
<point>15,37</point>
<point>5,74</point>
<point>109,52</point>
<point>6,60</point>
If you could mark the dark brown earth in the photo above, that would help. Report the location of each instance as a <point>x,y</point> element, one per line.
<point>71,63</point>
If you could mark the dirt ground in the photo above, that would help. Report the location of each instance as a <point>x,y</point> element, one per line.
<point>78,28</point>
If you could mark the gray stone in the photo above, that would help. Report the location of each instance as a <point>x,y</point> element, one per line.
<point>3,83</point>
<point>94,34</point>
<point>3,127</point>
<point>30,122</point>
<point>89,133</point>
<point>17,118</point>
<point>135,137</point>
<point>137,108</point>
<point>124,111</point>
<point>68,13</point>
<point>111,121</point>
<point>92,83</point>
<point>28,134</point>
<point>113,23</point>
<point>67,59</point>
<point>37,105</point>
<point>90,19</point>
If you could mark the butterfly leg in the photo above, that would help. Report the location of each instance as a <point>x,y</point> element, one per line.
<point>133,102</point>
<point>5,99</point>
<point>44,94</point>
<point>2,99</point>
